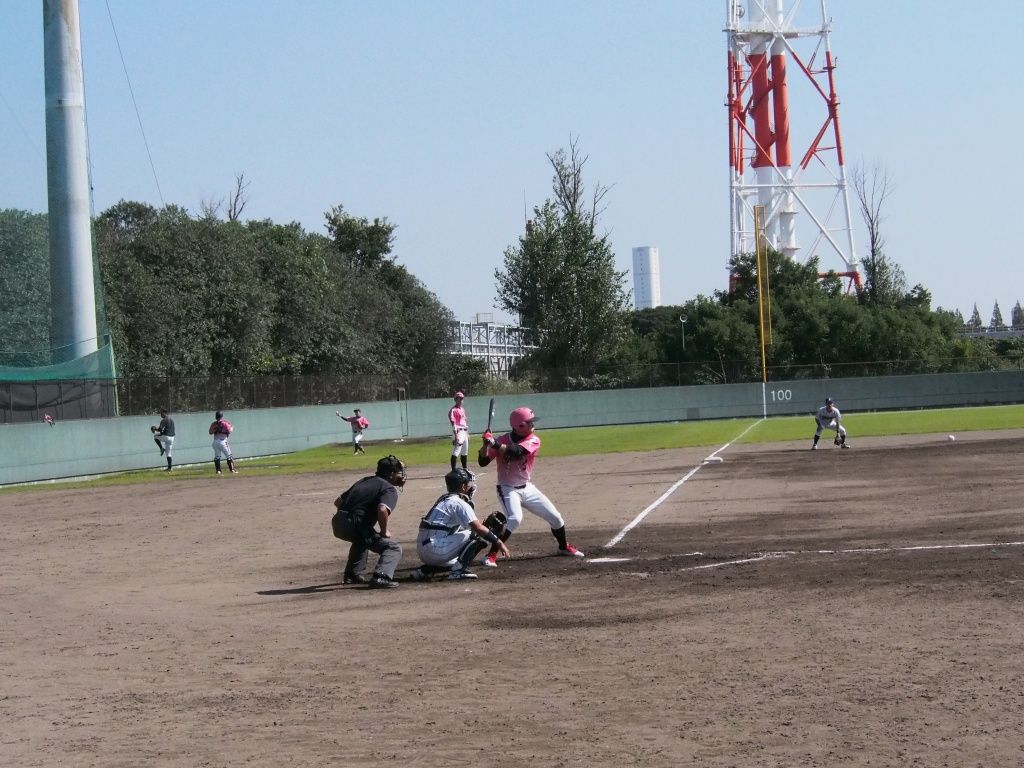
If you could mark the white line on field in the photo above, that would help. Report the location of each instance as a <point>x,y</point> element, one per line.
<point>657,502</point>
<point>797,552</point>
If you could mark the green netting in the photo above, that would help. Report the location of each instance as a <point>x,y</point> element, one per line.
<point>97,365</point>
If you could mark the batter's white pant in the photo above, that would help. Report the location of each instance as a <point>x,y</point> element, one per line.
<point>515,498</point>
<point>167,442</point>
<point>460,443</point>
<point>221,449</point>
<point>839,429</point>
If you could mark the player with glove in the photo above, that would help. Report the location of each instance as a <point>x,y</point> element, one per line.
<point>450,536</point>
<point>163,436</point>
<point>827,417</point>
<point>221,429</point>
<point>460,431</point>
<point>515,454</point>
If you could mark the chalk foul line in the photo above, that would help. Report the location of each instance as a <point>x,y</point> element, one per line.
<point>712,457</point>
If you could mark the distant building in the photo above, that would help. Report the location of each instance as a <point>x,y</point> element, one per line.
<point>646,277</point>
<point>497,344</point>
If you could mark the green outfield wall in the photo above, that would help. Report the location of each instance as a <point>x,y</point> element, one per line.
<point>34,452</point>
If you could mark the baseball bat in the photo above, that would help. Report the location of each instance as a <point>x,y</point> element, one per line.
<point>490,414</point>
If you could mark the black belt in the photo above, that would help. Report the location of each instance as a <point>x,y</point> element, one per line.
<point>425,526</point>
<point>516,487</point>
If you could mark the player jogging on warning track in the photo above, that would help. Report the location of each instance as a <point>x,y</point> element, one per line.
<point>828,417</point>
<point>460,431</point>
<point>515,454</point>
<point>220,429</point>
<point>450,536</point>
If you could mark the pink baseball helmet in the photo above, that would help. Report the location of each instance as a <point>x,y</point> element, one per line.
<point>520,420</point>
<point>459,395</point>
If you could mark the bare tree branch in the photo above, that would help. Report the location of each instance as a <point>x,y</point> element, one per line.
<point>237,198</point>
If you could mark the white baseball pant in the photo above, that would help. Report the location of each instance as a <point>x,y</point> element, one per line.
<point>515,498</point>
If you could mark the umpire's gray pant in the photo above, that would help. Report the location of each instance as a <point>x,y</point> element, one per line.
<point>365,540</point>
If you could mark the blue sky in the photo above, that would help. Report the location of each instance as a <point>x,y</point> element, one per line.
<point>438,116</point>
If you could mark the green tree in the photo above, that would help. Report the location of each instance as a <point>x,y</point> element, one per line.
<point>1017,315</point>
<point>885,283</point>
<point>399,325</point>
<point>974,323</point>
<point>25,287</point>
<point>996,323</point>
<point>560,279</point>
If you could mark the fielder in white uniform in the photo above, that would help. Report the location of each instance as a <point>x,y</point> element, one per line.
<point>828,417</point>
<point>460,430</point>
<point>516,453</point>
<point>450,536</point>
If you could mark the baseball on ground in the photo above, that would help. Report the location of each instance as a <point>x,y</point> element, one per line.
<point>951,438</point>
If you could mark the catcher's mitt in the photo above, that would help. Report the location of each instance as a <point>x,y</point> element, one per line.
<point>495,522</point>
<point>154,429</point>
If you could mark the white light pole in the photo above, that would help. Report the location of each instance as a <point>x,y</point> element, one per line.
<point>682,330</point>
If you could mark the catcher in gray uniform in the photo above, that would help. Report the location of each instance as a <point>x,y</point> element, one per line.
<point>450,535</point>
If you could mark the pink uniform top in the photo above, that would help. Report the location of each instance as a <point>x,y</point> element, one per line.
<point>516,471</point>
<point>359,423</point>
<point>457,416</point>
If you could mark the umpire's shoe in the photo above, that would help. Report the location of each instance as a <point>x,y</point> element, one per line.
<point>380,581</point>
<point>354,578</point>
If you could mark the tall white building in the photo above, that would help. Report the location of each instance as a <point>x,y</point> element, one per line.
<point>646,277</point>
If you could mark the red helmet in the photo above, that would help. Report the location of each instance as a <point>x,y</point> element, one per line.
<point>521,420</point>
<point>458,395</point>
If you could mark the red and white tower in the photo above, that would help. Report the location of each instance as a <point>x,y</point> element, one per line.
<point>782,93</point>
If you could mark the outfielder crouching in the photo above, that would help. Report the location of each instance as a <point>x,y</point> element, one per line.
<point>450,536</point>
<point>828,417</point>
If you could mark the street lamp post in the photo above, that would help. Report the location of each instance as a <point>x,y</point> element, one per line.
<point>682,330</point>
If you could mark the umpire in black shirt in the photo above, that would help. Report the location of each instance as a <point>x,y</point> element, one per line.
<point>369,503</point>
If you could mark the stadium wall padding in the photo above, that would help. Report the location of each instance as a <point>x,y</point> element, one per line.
<point>38,452</point>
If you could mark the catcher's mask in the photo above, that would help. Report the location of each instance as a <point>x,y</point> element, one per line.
<point>392,469</point>
<point>459,477</point>
<point>521,420</point>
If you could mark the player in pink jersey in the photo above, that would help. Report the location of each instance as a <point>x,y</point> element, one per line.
<point>516,453</point>
<point>460,431</point>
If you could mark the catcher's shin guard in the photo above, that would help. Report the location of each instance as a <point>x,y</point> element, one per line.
<point>473,547</point>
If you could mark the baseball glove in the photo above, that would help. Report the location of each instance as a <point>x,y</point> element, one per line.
<point>495,522</point>
<point>154,430</point>
<point>837,441</point>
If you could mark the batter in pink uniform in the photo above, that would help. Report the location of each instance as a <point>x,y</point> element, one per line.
<point>515,454</point>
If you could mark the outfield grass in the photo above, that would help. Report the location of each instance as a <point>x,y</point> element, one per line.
<point>591,440</point>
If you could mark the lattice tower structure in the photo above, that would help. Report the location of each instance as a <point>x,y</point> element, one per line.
<point>499,345</point>
<point>781,94</point>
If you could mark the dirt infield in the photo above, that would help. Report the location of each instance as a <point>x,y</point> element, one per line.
<point>779,608</point>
